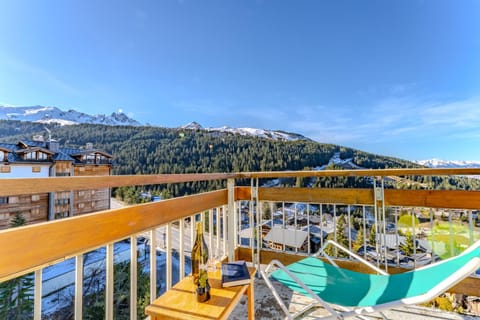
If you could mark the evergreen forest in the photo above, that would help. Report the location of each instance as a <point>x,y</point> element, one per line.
<point>158,150</point>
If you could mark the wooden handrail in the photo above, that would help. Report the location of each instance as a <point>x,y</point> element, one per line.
<point>317,195</point>
<point>363,173</point>
<point>46,243</point>
<point>445,199</point>
<point>27,248</point>
<point>16,186</point>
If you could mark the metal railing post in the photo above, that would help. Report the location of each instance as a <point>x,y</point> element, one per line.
<point>168,251</point>
<point>79,287</point>
<point>133,277</point>
<point>181,249</point>
<point>231,220</point>
<point>153,265</point>
<point>258,240</point>
<point>37,305</point>
<point>109,283</point>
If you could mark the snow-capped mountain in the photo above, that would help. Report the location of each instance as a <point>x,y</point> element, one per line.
<point>53,114</point>
<point>192,126</point>
<point>261,133</point>
<point>437,163</point>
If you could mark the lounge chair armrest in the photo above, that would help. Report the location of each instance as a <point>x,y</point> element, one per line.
<point>322,252</point>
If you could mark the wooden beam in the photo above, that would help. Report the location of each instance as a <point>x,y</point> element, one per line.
<point>448,199</point>
<point>317,195</point>
<point>363,173</point>
<point>12,186</point>
<point>25,249</point>
<point>242,193</point>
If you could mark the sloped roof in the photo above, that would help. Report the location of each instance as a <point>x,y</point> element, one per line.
<point>29,143</point>
<point>33,149</point>
<point>82,152</point>
<point>290,237</point>
<point>63,154</point>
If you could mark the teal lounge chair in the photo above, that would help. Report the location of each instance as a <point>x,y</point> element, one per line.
<point>344,293</point>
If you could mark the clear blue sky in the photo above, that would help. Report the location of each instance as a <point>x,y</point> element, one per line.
<point>399,78</point>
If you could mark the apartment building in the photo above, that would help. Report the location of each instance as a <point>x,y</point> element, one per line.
<point>41,159</point>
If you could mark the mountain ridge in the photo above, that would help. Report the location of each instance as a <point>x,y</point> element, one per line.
<point>50,115</point>
<point>277,135</point>
<point>438,163</point>
<point>44,114</point>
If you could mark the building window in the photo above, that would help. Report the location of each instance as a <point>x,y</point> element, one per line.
<point>60,202</point>
<point>3,200</point>
<point>13,200</point>
<point>36,169</point>
<point>42,156</point>
<point>35,197</point>
<point>62,174</point>
<point>2,156</point>
<point>81,205</point>
<point>61,215</point>
<point>5,169</point>
<point>35,211</point>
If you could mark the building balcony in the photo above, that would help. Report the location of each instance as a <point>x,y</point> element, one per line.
<point>76,266</point>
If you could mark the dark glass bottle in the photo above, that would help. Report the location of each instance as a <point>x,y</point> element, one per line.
<point>199,265</point>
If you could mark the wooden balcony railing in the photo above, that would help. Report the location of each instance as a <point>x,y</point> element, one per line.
<point>232,216</point>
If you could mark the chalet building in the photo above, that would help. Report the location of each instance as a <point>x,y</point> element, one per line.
<point>40,159</point>
<point>292,239</point>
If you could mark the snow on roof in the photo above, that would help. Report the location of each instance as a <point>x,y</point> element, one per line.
<point>289,237</point>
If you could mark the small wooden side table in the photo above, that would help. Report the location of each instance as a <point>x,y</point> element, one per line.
<point>180,302</point>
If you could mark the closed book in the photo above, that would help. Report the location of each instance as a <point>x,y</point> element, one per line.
<point>235,273</point>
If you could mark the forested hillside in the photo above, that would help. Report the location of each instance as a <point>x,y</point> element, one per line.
<point>147,150</point>
<point>164,150</point>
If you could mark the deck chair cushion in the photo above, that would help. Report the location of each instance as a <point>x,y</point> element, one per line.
<point>348,288</point>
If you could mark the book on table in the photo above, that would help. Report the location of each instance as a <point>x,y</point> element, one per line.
<point>235,273</point>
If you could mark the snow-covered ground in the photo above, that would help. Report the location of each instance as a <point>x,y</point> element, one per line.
<point>59,279</point>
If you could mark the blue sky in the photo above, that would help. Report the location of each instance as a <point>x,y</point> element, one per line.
<point>398,78</point>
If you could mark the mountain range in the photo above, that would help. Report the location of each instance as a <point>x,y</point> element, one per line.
<point>43,114</point>
<point>261,133</point>
<point>437,163</point>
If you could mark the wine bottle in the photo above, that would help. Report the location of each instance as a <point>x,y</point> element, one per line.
<point>199,256</point>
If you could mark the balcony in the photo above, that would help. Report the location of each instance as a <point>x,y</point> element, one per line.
<point>251,222</point>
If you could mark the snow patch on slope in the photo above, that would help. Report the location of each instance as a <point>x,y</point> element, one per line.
<point>253,132</point>
<point>43,114</point>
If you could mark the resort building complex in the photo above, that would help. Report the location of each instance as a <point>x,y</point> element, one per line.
<point>42,159</point>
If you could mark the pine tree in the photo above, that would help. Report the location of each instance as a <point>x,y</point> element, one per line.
<point>16,295</point>
<point>408,246</point>
<point>359,242</point>
<point>372,239</point>
<point>18,220</point>
<point>95,295</point>
<point>341,239</point>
